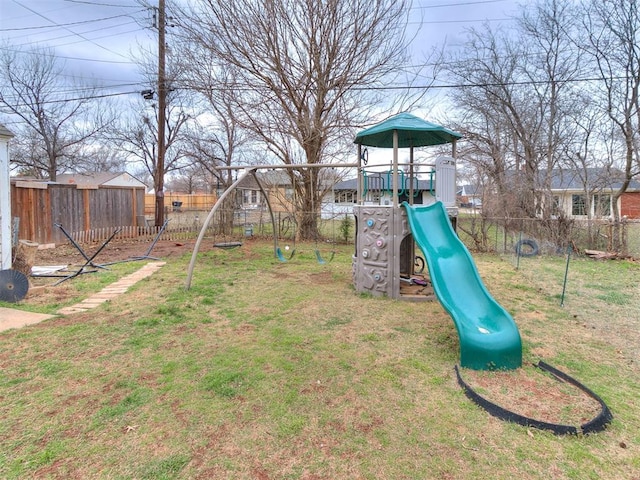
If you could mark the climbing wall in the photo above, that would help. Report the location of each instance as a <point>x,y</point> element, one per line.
<point>376,263</point>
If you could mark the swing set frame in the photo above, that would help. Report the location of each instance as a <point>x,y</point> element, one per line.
<point>252,170</point>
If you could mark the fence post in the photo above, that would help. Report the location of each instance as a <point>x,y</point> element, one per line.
<point>566,274</point>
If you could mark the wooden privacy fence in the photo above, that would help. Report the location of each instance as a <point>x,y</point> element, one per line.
<point>138,234</point>
<point>180,201</point>
<point>40,206</point>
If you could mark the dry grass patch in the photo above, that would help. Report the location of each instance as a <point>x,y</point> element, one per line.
<point>535,394</point>
<point>269,370</point>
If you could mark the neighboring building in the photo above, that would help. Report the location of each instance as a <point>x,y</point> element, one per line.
<point>570,189</point>
<point>569,192</point>
<point>470,196</point>
<point>5,201</point>
<point>278,185</point>
<point>100,179</point>
<point>376,191</point>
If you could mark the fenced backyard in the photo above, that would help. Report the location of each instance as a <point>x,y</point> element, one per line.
<point>479,233</point>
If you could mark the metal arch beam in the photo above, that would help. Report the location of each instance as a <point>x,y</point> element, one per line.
<point>205,225</point>
<point>289,166</point>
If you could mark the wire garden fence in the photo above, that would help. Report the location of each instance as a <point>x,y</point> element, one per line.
<point>533,236</point>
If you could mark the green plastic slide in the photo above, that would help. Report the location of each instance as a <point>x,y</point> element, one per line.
<point>489,338</point>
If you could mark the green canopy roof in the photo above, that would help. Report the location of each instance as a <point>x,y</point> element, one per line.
<point>412,132</point>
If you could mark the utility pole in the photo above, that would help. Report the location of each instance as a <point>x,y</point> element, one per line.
<point>162,105</point>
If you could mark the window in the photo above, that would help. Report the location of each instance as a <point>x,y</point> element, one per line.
<point>578,205</point>
<point>602,205</point>
<point>374,196</point>
<point>249,197</point>
<point>347,196</point>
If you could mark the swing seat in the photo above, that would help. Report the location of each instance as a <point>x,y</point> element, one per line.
<point>281,256</point>
<point>227,245</point>
<point>321,260</point>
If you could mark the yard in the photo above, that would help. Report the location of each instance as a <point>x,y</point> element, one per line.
<point>269,370</point>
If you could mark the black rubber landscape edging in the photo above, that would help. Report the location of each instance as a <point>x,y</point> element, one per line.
<point>595,425</point>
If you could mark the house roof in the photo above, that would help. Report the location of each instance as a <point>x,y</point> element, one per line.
<point>5,132</point>
<point>593,177</point>
<point>275,178</point>
<point>248,183</point>
<point>97,179</point>
<point>475,190</point>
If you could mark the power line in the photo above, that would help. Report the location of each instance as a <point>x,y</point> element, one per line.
<point>457,4</point>
<point>83,98</point>
<point>62,25</point>
<point>94,4</point>
<point>487,84</point>
<point>475,20</point>
<point>380,88</point>
<point>81,36</point>
<point>96,38</point>
<point>26,44</point>
<point>72,58</point>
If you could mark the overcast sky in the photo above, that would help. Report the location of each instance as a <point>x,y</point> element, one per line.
<point>99,38</point>
<point>95,39</point>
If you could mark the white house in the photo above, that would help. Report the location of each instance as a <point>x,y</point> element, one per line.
<point>5,199</point>
<point>589,194</point>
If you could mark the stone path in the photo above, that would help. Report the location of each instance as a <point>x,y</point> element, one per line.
<point>113,290</point>
<point>12,318</point>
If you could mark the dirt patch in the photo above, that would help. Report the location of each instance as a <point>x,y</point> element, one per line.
<point>534,394</point>
<point>51,288</point>
<point>322,278</point>
<point>115,251</point>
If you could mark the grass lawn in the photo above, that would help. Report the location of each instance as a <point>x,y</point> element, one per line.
<point>269,370</point>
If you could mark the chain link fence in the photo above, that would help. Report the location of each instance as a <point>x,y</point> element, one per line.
<point>532,236</point>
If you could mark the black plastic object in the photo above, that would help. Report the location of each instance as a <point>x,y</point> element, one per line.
<point>595,425</point>
<point>14,286</point>
<point>227,245</point>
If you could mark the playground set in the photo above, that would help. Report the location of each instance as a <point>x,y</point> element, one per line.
<point>394,217</point>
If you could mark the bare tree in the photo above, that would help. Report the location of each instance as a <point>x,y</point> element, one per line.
<point>519,95</point>
<point>613,28</point>
<point>549,26</point>
<point>55,118</point>
<point>138,138</point>
<point>219,139</point>
<point>498,116</point>
<point>305,72</point>
<point>101,158</point>
<point>190,179</point>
